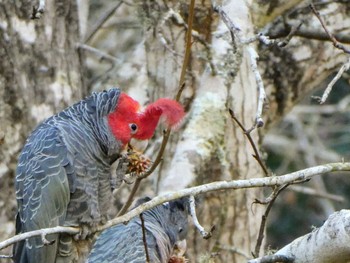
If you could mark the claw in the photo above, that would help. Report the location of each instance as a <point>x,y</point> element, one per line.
<point>85,231</point>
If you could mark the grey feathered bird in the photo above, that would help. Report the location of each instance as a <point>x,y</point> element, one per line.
<point>165,225</point>
<point>64,170</point>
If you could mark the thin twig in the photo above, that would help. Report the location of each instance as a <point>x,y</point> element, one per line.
<point>328,90</point>
<point>235,30</point>
<point>166,133</point>
<point>291,34</point>
<point>102,20</point>
<point>205,234</point>
<point>259,122</point>
<point>256,154</point>
<point>102,55</point>
<point>331,37</point>
<point>309,34</point>
<point>144,237</point>
<point>261,235</point>
<point>313,192</point>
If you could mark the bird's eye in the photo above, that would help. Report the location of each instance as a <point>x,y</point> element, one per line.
<point>133,128</point>
<point>180,229</point>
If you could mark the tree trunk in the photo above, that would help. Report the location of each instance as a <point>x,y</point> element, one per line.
<point>41,72</point>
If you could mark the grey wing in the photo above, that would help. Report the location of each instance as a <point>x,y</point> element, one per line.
<point>123,243</point>
<point>42,192</point>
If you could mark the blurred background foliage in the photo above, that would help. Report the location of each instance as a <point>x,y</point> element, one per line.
<point>309,135</point>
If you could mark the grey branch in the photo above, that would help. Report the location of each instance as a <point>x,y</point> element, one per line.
<point>328,90</point>
<point>201,229</point>
<point>329,243</point>
<point>291,178</point>
<point>259,122</point>
<point>41,232</point>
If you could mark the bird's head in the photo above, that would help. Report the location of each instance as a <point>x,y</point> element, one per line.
<point>128,121</point>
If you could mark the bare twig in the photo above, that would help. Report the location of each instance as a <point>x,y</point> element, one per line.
<point>259,122</point>
<point>206,188</point>
<point>261,235</point>
<point>102,20</point>
<point>331,37</point>
<point>309,34</point>
<point>40,232</point>
<point>291,34</point>
<point>166,133</point>
<point>144,237</point>
<point>313,192</point>
<point>102,55</point>
<point>328,90</point>
<point>235,30</point>
<point>205,234</point>
<point>256,154</point>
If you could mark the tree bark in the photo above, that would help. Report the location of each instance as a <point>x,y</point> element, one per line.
<point>41,72</point>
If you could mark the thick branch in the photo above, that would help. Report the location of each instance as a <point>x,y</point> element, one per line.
<point>329,243</point>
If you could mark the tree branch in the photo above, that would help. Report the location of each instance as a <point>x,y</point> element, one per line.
<point>144,237</point>
<point>40,232</point>
<point>260,238</point>
<point>205,234</point>
<point>294,177</point>
<point>331,37</point>
<point>329,88</point>
<point>102,20</point>
<point>206,188</point>
<point>256,154</point>
<point>329,243</point>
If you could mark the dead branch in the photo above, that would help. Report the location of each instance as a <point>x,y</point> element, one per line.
<point>102,20</point>
<point>256,154</point>
<point>205,234</point>
<point>329,88</point>
<point>144,237</point>
<point>272,198</point>
<point>331,37</point>
<point>316,193</point>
